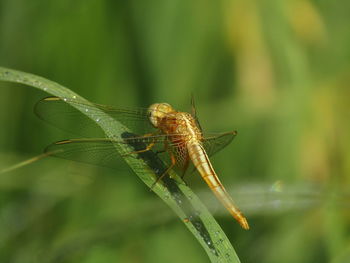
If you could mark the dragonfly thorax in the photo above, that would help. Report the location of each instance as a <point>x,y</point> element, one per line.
<point>157,111</point>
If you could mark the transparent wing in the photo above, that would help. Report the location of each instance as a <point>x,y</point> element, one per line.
<point>194,112</point>
<point>215,143</point>
<point>102,151</point>
<point>97,151</point>
<point>60,113</point>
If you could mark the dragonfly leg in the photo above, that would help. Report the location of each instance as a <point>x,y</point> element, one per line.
<point>173,162</point>
<point>148,147</point>
<point>160,151</point>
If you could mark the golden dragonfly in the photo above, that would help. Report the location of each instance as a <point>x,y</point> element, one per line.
<point>179,134</point>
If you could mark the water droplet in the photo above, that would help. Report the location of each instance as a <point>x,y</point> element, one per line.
<point>45,89</point>
<point>64,99</point>
<point>74,97</point>
<point>86,110</point>
<point>98,119</point>
<point>209,243</point>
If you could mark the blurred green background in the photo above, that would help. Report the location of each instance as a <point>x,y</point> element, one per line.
<point>276,71</point>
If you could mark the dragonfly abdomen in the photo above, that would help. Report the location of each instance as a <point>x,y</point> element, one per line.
<point>201,162</point>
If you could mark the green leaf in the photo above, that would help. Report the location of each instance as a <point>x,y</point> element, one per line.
<point>173,192</point>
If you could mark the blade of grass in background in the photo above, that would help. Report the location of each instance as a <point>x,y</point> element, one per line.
<point>176,194</point>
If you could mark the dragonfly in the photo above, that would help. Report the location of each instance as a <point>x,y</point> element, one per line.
<point>160,126</point>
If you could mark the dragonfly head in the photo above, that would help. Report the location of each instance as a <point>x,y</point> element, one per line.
<point>158,111</point>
